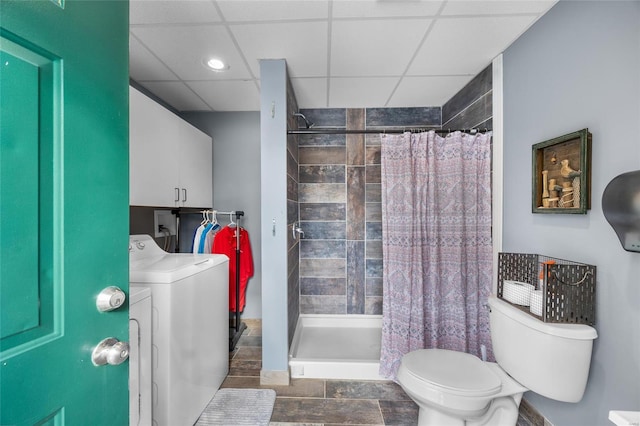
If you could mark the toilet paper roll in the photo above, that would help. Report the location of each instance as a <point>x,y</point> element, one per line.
<point>517,292</point>
<point>536,303</point>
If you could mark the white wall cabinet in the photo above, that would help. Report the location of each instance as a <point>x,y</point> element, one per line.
<point>170,160</point>
<point>196,167</point>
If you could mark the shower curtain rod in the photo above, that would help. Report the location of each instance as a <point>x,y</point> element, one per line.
<point>378,131</point>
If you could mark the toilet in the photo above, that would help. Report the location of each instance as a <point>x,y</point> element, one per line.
<point>456,388</point>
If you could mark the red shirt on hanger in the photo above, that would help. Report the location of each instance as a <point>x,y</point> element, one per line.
<point>225,243</point>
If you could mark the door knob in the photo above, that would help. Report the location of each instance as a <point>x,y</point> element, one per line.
<point>110,298</point>
<point>110,351</point>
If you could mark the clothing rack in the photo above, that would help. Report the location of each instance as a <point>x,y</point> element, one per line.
<point>393,130</point>
<point>238,328</point>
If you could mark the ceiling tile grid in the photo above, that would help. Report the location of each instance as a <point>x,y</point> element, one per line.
<point>302,44</point>
<point>310,91</point>
<point>466,45</point>
<point>438,89</point>
<point>273,10</point>
<point>144,65</point>
<point>375,47</point>
<point>362,92</point>
<point>339,53</point>
<point>172,12</point>
<point>184,49</point>
<point>238,95</point>
<point>183,98</point>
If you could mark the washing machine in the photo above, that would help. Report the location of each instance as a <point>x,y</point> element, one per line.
<point>139,356</point>
<point>190,337</point>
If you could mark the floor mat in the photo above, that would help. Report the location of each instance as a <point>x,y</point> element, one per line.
<point>231,407</point>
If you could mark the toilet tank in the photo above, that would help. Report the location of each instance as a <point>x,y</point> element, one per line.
<point>550,359</point>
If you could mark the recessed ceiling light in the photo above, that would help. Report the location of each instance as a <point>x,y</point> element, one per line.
<point>216,64</point>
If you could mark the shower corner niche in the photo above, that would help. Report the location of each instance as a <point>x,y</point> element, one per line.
<point>621,208</point>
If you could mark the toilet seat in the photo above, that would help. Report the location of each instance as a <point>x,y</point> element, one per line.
<point>452,372</point>
<point>456,382</point>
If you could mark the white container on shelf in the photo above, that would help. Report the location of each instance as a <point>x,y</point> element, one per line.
<point>536,302</point>
<point>517,292</point>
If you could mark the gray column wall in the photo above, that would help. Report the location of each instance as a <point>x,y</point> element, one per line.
<point>273,174</point>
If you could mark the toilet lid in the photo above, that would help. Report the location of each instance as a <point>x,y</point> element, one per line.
<point>454,372</point>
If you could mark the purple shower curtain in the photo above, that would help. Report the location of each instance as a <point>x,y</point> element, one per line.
<point>436,240</point>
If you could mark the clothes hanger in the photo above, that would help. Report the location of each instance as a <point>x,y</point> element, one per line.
<point>214,220</point>
<point>231,222</point>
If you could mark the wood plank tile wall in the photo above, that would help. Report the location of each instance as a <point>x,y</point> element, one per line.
<point>340,208</point>
<point>471,107</point>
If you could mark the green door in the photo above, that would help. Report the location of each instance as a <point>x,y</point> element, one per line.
<point>63,209</point>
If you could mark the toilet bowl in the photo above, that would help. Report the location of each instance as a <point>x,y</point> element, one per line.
<point>456,388</point>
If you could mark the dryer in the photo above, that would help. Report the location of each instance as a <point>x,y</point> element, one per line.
<point>139,356</point>
<point>190,338</point>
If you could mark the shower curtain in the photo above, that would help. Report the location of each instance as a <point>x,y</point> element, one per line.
<point>436,240</point>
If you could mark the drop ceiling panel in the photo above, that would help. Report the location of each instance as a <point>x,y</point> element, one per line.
<point>272,10</point>
<point>421,91</point>
<point>481,7</point>
<point>234,95</point>
<point>172,12</point>
<point>310,92</point>
<point>360,92</point>
<point>302,44</point>
<point>144,66</point>
<point>176,94</point>
<point>375,47</point>
<point>384,9</point>
<point>184,48</point>
<point>344,47</point>
<point>448,50</point>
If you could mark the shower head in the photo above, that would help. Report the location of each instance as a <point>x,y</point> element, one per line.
<point>306,122</point>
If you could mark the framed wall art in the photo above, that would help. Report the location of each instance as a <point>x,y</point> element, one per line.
<point>562,174</point>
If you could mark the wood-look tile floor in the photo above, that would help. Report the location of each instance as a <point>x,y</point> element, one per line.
<point>318,402</point>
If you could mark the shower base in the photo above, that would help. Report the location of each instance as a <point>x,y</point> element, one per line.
<point>336,347</point>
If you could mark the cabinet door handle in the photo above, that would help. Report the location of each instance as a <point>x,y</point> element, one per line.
<point>184,195</point>
<point>177,192</point>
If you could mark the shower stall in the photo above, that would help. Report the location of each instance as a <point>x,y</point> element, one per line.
<point>334,196</point>
<point>335,281</point>
<point>336,347</point>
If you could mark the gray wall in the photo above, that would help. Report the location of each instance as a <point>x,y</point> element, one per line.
<point>273,174</point>
<point>236,181</point>
<point>577,67</point>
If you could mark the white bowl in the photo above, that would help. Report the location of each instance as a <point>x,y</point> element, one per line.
<point>517,292</point>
